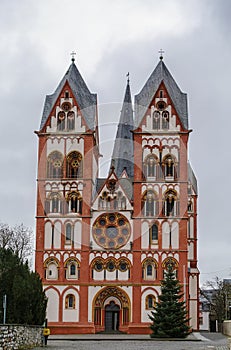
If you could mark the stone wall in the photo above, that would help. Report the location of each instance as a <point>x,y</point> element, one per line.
<point>15,337</point>
<point>227,328</point>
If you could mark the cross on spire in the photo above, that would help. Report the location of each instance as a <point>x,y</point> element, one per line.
<point>161,54</point>
<point>128,75</point>
<point>73,53</point>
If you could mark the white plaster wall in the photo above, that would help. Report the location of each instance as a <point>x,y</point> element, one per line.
<point>111,276</point>
<point>165,235</point>
<point>77,235</point>
<point>191,223</point>
<point>98,275</point>
<point>71,315</point>
<point>193,287</point>
<point>175,235</point>
<point>55,145</point>
<point>145,235</point>
<point>47,235</point>
<point>193,314</point>
<point>78,124</point>
<point>144,312</point>
<point>52,305</point>
<point>190,251</point>
<point>123,276</point>
<point>57,235</point>
<point>75,144</point>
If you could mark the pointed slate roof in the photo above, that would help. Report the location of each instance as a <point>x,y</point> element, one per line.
<point>85,99</point>
<point>122,156</point>
<point>144,98</point>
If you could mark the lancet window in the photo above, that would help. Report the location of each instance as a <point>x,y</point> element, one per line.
<point>61,121</point>
<point>74,165</point>
<point>153,234</point>
<point>150,302</point>
<point>170,264</point>
<point>53,203</point>
<point>169,164</point>
<point>171,204</point>
<point>55,165</point>
<point>150,166</point>
<point>70,120</point>
<point>51,269</point>
<point>149,269</point>
<point>74,201</point>
<point>72,269</point>
<point>149,203</point>
<point>70,301</point>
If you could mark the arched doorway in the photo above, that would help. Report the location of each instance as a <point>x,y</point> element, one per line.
<point>111,309</point>
<point>112,313</point>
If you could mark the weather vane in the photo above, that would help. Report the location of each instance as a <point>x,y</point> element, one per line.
<point>161,54</point>
<point>73,53</point>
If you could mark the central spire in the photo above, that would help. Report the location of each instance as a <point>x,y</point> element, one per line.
<point>122,156</point>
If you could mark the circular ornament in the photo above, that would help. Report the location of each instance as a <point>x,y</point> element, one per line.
<point>66,106</point>
<point>111,231</point>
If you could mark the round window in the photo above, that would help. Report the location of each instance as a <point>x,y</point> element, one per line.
<point>111,231</point>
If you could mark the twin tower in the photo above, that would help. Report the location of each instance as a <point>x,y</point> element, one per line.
<point>103,244</point>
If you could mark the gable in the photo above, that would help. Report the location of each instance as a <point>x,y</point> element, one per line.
<point>144,98</point>
<point>161,114</point>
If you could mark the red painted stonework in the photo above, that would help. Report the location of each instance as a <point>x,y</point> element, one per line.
<point>127,294</point>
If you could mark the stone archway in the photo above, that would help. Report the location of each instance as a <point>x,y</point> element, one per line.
<point>111,310</point>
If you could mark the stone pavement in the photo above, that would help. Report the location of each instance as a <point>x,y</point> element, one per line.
<point>196,341</point>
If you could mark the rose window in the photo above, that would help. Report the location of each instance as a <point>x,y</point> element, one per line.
<point>111,231</point>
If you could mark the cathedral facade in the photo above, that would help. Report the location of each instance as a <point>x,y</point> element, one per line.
<point>103,244</point>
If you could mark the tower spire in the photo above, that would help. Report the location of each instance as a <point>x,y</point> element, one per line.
<point>123,146</point>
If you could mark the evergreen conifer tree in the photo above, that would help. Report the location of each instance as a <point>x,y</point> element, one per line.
<point>169,318</point>
<point>26,300</point>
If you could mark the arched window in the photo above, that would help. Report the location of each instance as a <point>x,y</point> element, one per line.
<point>61,121</point>
<point>153,234</point>
<point>70,120</point>
<point>171,203</point>
<point>55,165</point>
<point>70,301</point>
<point>150,302</point>
<point>190,206</point>
<point>54,202</point>
<point>150,166</point>
<point>149,269</point>
<point>165,120</point>
<point>156,120</point>
<point>171,264</point>
<point>169,167</point>
<point>72,269</point>
<point>74,200</point>
<point>149,203</point>
<point>51,269</point>
<point>68,233</point>
<point>74,165</point>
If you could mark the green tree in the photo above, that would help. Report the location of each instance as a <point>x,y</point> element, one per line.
<point>169,318</point>
<point>26,300</point>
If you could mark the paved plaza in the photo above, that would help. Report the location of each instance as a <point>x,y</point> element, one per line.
<point>197,341</point>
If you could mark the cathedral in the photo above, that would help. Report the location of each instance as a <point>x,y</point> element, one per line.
<point>103,244</point>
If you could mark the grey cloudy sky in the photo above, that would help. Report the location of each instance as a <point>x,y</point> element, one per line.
<point>112,38</point>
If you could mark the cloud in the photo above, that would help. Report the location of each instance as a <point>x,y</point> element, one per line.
<point>110,39</point>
